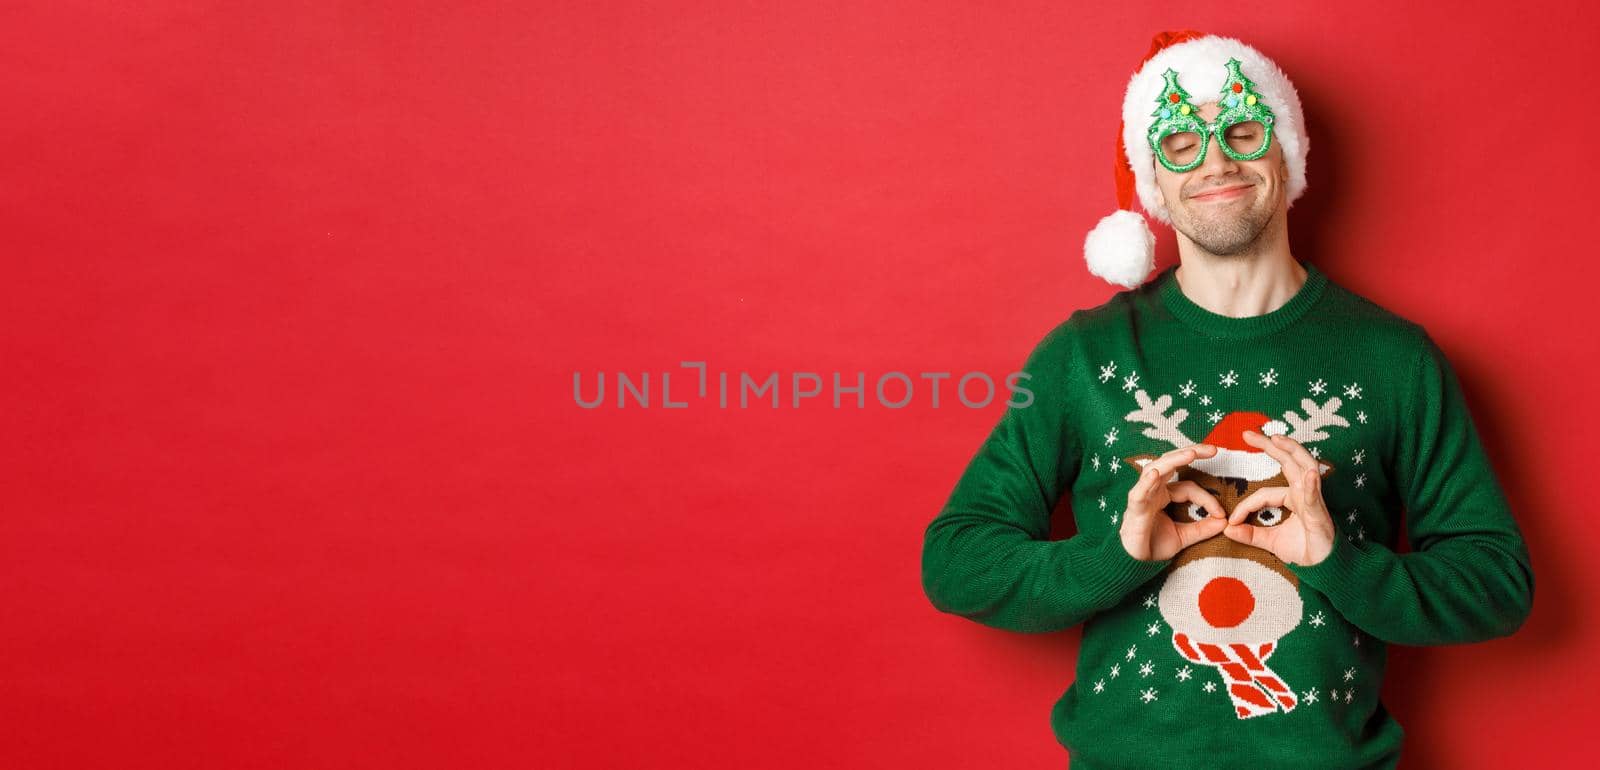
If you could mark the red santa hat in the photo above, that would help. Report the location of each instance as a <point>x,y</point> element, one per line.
<point>1235,458</point>
<point>1121,247</point>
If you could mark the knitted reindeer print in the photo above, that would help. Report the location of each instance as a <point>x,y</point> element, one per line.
<point>1230,604</point>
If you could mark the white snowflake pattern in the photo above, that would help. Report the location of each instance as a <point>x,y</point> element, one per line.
<point>1229,380</point>
<point>1116,668</point>
<point>1352,391</point>
<point>1152,629</point>
<point>1111,438</point>
<point>1214,416</point>
<point>1333,695</point>
<point>1187,389</point>
<point>1148,695</point>
<point>1361,480</point>
<point>1184,674</point>
<point>1269,377</point>
<point>1132,651</point>
<point>1316,451</point>
<point>1100,686</point>
<point>1094,462</point>
<point>1352,517</point>
<point>1309,696</point>
<point>1147,668</point>
<point>1114,518</point>
<point>1102,503</point>
<point>1209,686</point>
<point>1317,619</point>
<point>1355,641</point>
<point>1149,601</point>
<point>1359,457</point>
<point>1349,673</point>
<point>1205,400</point>
<point>1130,382</point>
<point>1108,371</point>
<point>1349,695</point>
<point>1318,387</point>
<point>1361,417</point>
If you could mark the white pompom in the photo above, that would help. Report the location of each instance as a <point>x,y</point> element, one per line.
<point>1121,249</point>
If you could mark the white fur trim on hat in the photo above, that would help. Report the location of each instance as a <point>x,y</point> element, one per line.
<point>1121,249</point>
<point>1202,69</point>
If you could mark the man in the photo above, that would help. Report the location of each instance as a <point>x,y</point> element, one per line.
<point>1238,441</point>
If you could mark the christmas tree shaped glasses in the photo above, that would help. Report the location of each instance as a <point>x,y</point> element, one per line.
<point>1180,138</point>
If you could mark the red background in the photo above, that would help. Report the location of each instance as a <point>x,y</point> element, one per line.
<point>294,296</point>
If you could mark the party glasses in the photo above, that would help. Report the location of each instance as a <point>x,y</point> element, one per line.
<point>1180,138</point>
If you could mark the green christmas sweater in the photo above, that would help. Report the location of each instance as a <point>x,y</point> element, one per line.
<point>1224,655</point>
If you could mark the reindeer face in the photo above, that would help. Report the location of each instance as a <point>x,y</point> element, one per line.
<point>1219,589</point>
<point>1229,490</point>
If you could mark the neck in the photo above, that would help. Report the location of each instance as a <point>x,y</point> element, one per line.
<point>1254,281</point>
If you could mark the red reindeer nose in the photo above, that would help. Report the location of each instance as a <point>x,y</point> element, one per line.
<point>1226,602</point>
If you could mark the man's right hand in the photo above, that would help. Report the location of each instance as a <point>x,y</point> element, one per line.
<point>1148,533</point>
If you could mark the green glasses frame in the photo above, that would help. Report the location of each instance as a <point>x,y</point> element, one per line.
<point>1176,114</point>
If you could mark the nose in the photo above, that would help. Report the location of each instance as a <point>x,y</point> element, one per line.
<point>1216,161</point>
<point>1226,602</point>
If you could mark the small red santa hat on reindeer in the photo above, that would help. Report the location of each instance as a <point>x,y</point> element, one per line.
<point>1121,248</point>
<point>1235,458</point>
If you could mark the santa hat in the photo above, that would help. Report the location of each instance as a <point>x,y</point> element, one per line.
<point>1236,458</point>
<point>1121,248</point>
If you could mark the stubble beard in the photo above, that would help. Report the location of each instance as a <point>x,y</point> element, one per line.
<point>1228,231</point>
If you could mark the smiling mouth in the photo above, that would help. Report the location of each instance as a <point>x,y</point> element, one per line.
<point>1222,195</point>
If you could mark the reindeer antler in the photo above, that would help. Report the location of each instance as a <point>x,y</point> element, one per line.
<point>1163,427</point>
<point>1317,418</point>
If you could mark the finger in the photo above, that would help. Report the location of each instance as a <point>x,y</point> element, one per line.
<point>1298,452</point>
<point>1311,502</point>
<point>1255,501</point>
<point>1196,531</point>
<point>1164,465</point>
<point>1137,493</point>
<point>1190,492</point>
<point>1290,466</point>
<point>1241,533</point>
<point>1249,534</point>
<point>1177,458</point>
<point>1145,488</point>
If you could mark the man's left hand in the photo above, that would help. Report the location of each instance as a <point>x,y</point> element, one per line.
<point>1304,538</point>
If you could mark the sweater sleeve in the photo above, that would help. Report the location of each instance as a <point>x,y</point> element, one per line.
<point>987,556</point>
<point>1468,577</point>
